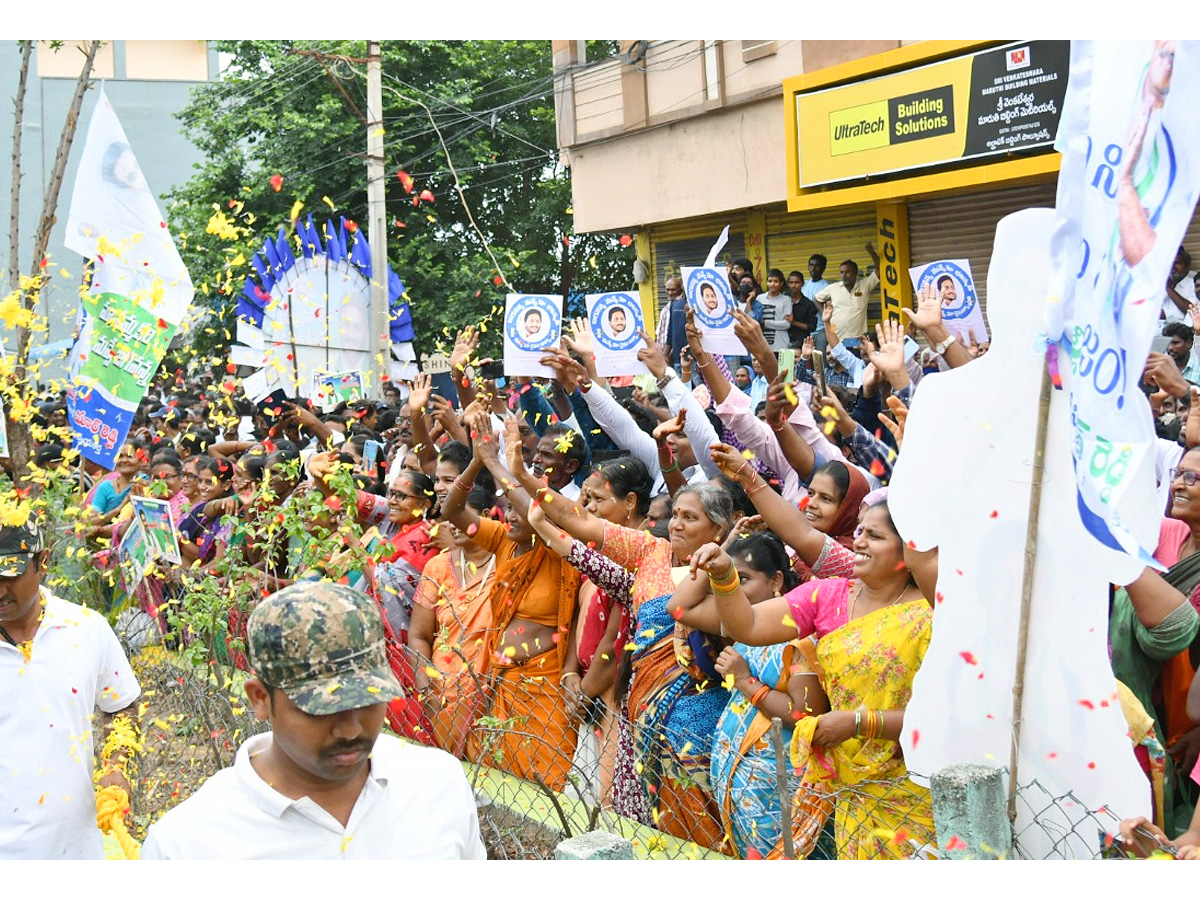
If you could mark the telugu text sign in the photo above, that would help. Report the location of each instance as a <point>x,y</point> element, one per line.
<point>983,104</point>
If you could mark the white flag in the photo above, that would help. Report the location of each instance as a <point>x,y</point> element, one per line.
<point>115,220</point>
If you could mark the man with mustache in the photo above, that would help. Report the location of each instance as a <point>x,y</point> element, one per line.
<point>323,783</point>
<point>58,663</point>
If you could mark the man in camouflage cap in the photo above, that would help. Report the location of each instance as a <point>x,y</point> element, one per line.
<point>322,644</point>
<point>323,783</point>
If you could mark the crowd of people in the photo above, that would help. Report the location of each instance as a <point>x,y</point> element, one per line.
<point>612,587</point>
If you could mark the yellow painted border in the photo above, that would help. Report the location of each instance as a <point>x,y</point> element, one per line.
<point>910,56</point>
<point>992,175</point>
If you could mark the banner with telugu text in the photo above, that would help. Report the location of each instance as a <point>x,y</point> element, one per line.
<point>1126,193</point>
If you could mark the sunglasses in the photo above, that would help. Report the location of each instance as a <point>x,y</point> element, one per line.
<point>1186,475</point>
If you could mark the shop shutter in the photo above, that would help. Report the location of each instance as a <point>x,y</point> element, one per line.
<point>687,242</point>
<point>838,234</point>
<point>964,226</point>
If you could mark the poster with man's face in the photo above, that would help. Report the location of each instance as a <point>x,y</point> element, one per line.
<point>616,319</point>
<point>712,305</point>
<point>955,289</point>
<point>532,327</point>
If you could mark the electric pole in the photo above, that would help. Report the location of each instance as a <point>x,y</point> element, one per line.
<point>381,341</point>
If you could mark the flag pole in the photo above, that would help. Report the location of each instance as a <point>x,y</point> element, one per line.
<point>1031,532</point>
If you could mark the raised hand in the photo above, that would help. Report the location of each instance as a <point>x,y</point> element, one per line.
<point>1162,369</point>
<point>830,408</point>
<point>652,355</point>
<point>569,372</point>
<point>749,332</point>
<point>694,338</point>
<point>465,344</point>
<point>732,464</point>
<point>580,337</point>
<point>972,345</point>
<point>482,437</point>
<point>889,358</point>
<point>782,400</point>
<point>928,311</point>
<point>743,527</point>
<point>671,426</point>
<point>418,393</point>
<point>900,411</point>
<point>806,349</point>
<point>710,558</point>
<point>513,456</point>
<point>447,418</point>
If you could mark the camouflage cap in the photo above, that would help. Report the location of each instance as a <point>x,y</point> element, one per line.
<point>18,545</point>
<point>322,644</point>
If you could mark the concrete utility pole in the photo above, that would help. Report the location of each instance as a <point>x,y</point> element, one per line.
<point>381,342</point>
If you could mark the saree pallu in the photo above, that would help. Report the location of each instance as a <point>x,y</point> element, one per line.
<point>744,778</point>
<point>674,717</point>
<point>405,715</point>
<point>868,663</point>
<point>535,739</point>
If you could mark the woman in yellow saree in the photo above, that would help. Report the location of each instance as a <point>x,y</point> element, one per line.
<point>850,757</point>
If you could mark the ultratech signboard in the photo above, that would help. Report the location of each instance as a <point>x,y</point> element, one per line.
<point>985,104</point>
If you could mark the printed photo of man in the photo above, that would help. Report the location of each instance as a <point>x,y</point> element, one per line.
<point>532,323</point>
<point>617,321</point>
<point>708,296</point>
<point>947,292</point>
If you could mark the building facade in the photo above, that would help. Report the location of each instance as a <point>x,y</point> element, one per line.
<point>806,147</point>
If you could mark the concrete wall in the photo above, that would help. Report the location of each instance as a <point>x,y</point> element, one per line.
<point>728,159</point>
<point>146,107</point>
<point>681,132</point>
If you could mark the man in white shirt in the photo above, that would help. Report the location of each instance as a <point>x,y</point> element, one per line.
<point>1181,289</point>
<point>58,662</point>
<point>323,784</point>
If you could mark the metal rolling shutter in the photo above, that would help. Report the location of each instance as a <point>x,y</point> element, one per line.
<point>838,234</point>
<point>964,226</point>
<point>687,242</point>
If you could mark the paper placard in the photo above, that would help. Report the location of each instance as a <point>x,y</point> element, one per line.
<point>532,328</point>
<point>158,527</point>
<point>712,304</point>
<point>615,319</point>
<point>955,288</point>
<point>331,389</point>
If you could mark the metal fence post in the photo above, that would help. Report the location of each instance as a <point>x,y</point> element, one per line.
<point>970,812</point>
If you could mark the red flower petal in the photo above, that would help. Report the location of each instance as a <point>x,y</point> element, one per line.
<point>969,658</point>
<point>276,182</point>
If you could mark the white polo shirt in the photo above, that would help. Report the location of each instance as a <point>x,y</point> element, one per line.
<point>415,804</point>
<point>47,802</point>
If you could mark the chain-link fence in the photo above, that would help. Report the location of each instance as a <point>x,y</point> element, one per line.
<point>1060,826</point>
<point>545,768</point>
